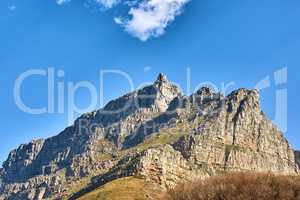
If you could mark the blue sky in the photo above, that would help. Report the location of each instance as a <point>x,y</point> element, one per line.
<point>219,40</point>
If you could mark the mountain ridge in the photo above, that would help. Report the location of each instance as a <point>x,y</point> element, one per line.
<point>199,135</point>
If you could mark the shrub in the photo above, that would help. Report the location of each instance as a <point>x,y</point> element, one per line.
<point>239,186</point>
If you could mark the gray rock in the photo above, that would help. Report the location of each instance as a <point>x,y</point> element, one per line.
<point>233,136</point>
<point>297,158</point>
<point>219,134</point>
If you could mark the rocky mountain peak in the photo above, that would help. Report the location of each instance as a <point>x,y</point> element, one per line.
<point>156,96</point>
<point>205,91</point>
<point>165,92</point>
<point>158,133</point>
<point>161,78</point>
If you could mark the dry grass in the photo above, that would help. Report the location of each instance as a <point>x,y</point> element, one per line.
<point>130,188</point>
<point>240,186</point>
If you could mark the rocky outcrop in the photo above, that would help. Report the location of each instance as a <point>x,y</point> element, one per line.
<point>202,135</point>
<point>297,158</point>
<point>232,135</point>
<point>89,146</point>
<point>21,159</point>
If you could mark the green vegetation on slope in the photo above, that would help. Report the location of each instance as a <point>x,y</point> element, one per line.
<point>129,188</point>
<point>163,137</point>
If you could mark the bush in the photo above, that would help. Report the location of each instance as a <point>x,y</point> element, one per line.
<point>239,186</point>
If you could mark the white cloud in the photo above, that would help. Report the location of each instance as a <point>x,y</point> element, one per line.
<point>108,3</point>
<point>105,3</point>
<point>60,2</point>
<point>145,18</point>
<point>12,8</point>
<point>118,20</point>
<point>151,17</point>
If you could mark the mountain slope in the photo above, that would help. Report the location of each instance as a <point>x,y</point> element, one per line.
<point>124,189</point>
<point>156,133</point>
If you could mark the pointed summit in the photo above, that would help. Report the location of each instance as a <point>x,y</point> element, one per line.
<point>161,78</point>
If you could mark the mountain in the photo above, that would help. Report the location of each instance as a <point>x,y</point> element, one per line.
<point>155,134</point>
<point>297,158</point>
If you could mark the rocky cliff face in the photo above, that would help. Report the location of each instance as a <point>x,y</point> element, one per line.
<point>157,133</point>
<point>297,158</point>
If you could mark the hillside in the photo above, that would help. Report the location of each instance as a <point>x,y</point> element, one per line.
<point>156,137</point>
